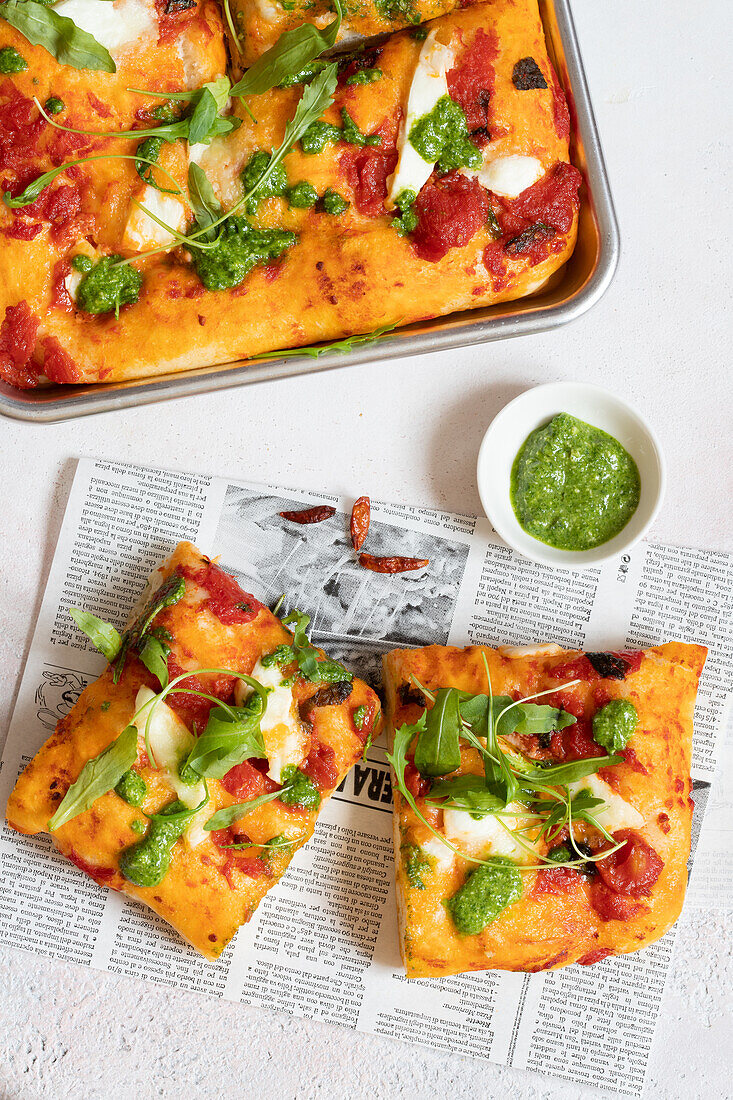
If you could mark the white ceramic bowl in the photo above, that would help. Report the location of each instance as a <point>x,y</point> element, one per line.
<point>508,431</point>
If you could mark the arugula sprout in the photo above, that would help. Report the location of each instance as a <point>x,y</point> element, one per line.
<point>292,52</point>
<point>69,44</point>
<point>97,777</point>
<point>225,817</point>
<point>484,721</point>
<point>232,735</point>
<point>105,637</point>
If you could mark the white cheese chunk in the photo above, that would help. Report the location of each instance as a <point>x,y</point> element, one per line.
<point>617,813</point>
<point>71,282</point>
<point>271,12</point>
<point>282,731</point>
<point>486,836</point>
<point>510,175</point>
<point>428,85</point>
<point>529,650</point>
<point>439,851</point>
<point>116,26</point>
<point>171,742</point>
<point>141,232</point>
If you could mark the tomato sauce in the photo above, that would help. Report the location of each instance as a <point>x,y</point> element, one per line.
<point>21,126</point>
<point>595,956</point>
<point>18,333</point>
<point>23,231</point>
<point>416,785</point>
<point>552,201</point>
<point>471,82</point>
<point>611,906</point>
<point>58,366</point>
<point>320,766</point>
<point>556,880</point>
<point>245,782</point>
<point>633,869</point>
<point>192,709</point>
<point>101,875</point>
<point>450,211</point>
<point>367,169</point>
<point>226,600</point>
<point>575,742</point>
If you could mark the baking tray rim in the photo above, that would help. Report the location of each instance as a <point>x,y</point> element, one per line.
<point>442,334</point>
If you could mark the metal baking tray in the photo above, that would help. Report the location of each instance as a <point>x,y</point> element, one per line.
<point>570,292</point>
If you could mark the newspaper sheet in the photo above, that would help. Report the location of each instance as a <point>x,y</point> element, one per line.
<point>323,944</point>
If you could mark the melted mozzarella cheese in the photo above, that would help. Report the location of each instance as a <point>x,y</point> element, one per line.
<point>428,85</point>
<point>439,851</point>
<point>510,175</point>
<point>71,282</point>
<point>272,13</point>
<point>283,734</point>
<point>487,836</point>
<point>617,813</point>
<point>141,232</point>
<point>529,650</point>
<point>115,26</point>
<point>171,742</point>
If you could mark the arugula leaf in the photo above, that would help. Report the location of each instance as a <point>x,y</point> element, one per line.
<point>104,635</point>
<point>202,118</point>
<point>532,719</point>
<point>337,345</point>
<point>467,792</point>
<point>154,655</point>
<point>291,53</point>
<point>558,774</point>
<point>169,593</point>
<point>30,193</point>
<point>303,652</point>
<point>204,203</point>
<point>99,775</point>
<point>225,817</point>
<point>175,816</point>
<point>438,749</point>
<point>69,44</point>
<point>231,736</point>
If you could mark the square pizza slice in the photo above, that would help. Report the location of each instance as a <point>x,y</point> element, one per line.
<point>195,767</point>
<point>542,802</point>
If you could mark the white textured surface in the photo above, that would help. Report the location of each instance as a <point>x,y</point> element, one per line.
<point>410,431</point>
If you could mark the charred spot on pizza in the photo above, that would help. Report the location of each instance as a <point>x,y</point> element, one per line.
<point>172,7</point>
<point>527,75</point>
<point>356,60</point>
<point>608,665</point>
<point>410,694</point>
<point>536,233</point>
<point>332,695</point>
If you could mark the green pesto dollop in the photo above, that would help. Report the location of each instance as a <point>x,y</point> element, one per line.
<point>54,105</point>
<point>304,76</point>
<point>318,135</point>
<point>82,263</point>
<point>484,896</point>
<point>573,486</point>
<point>419,33</point>
<point>407,220</point>
<point>359,717</point>
<point>417,864</point>
<point>137,826</point>
<point>11,61</point>
<point>302,791</point>
<point>333,203</point>
<point>353,135</point>
<point>273,187</point>
<point>149,150</point>
<point>365,76</point>
<point>441,137</point>
<point>132,788</point>
<point>615,724</point>
<point>238,248</point>
<point>302,195</point>
<point>398,11</point>
<point>105,288</point>
<point>147,862</point>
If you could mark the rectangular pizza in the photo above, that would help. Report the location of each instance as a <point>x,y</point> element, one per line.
<point>160,217</point>
<point>193,769</point>
<point>542,802</point>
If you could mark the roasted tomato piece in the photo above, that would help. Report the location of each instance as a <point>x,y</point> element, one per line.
<point>633,869</point>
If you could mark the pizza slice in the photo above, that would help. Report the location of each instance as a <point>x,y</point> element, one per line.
<point>542,802</point>
<point>423,176</point>
<point>194,768</point>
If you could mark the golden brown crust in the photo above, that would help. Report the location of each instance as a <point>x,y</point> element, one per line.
<point>346,275</point>
<point>202,897</point>
<point>550,930</point>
